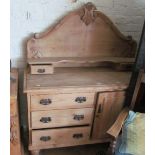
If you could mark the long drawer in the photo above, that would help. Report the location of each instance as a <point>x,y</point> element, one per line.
<point>61,118</point>
<point>58,137</point>
<point>61,101</point>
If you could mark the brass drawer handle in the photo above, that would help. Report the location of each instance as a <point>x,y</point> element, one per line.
<point>45,119</point>
<point>41,70</point>
<point>78,135</point>
<point>80,99</point>
<point>45,138</point>
<point>45,101</point>
<point>78,117</point>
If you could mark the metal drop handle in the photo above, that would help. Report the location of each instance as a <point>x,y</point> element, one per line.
<point>45,101</point>
<point>45,119</point>
<point>78,135</point>
<point>78,117</point>
<point>45,138</point>
<point>80,99</point>
<point>41,70</point>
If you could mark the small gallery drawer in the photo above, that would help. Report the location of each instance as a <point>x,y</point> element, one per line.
<point>58,137</point>
<point>62,101</point>
<point>41,69</point>
<point>61,118</point>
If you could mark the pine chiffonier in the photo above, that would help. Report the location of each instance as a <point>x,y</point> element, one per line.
<point>76,80</point>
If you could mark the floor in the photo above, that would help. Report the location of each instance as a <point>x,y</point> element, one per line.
<point>96,149</point>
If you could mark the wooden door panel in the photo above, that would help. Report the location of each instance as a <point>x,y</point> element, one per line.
<point>109,105</point>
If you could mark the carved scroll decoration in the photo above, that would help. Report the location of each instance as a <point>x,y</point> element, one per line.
<point>88,16</point>
<point>36,54</point>
<point>13,130</point>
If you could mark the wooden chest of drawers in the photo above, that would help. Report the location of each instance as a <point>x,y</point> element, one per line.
<point>73,115</point>
<point>74,92</point>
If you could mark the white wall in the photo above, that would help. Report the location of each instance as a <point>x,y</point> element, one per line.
<point>30,16</point>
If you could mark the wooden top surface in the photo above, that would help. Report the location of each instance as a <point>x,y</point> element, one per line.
<point>92,79</point>
<point>13,83</point>
<point>80,60</point>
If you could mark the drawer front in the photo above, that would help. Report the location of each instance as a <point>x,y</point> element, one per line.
<point>41,69</point>
<point>58,137</point>
<point>61,118</point>
<point>62,101</point>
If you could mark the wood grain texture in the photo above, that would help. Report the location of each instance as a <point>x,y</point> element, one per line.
<point>117,125</point>
<point>67,79</point>
<point>61,101</point>
<point>140,79</point>
<point>62,118</point>
<point>15,141</point>
<point>49,64</point>
<point>78,62</point>
<point>89,33</point>
<point>60,136</point>
<point>109,105</point>
<point>13,83</point>
<point>89,141</point>
<point>56,61</point>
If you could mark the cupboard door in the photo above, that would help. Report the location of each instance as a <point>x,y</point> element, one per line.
<point>109,105</point>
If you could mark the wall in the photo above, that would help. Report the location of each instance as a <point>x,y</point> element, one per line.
<point>30,16</point>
